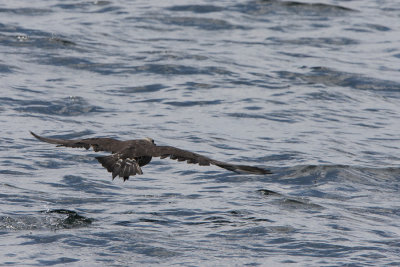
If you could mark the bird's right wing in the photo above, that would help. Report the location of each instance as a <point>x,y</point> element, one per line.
<point>98,144</point>
<point>191,157</point>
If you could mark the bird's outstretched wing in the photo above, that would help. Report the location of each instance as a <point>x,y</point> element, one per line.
<point>190,157</point>
<point>128,156</point>
<point>98,144</point>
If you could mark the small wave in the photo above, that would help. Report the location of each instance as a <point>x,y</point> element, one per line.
<point>265,7</point>
<point>331,77</point>
<point>314,174</point>
<point>196,8</point>
<point>69,106</point>
<point>193,103</point>
<point>315,42</point>
<point>316,7</point>
<point>52,220</point>
<point>6,68</point>
<point>289,202</point>
<point>208,24</point>
<point>26,11</point>
<point>32,38</point>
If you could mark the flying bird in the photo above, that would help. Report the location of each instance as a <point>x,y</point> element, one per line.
<point>129,156</point>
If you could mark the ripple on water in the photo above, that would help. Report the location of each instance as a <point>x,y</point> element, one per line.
<point>331,77</point>
<point>307,88</point>
<point>69,106</point>
<point>45,220</point>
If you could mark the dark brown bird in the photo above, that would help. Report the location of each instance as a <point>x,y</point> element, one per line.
<point>128,156</point>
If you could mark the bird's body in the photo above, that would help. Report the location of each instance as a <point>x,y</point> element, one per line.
<point>128,157</point>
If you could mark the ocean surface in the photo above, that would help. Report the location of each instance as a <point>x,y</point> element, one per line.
<point>309,89</point>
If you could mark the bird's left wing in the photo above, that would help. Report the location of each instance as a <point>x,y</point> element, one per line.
<point>98,144</point>
<point>191,157</point>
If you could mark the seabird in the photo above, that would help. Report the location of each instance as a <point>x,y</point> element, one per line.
<point>129,156</point>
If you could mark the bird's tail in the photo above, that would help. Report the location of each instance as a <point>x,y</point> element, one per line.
<point>119,166</point>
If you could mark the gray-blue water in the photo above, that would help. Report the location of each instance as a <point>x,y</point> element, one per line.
<point>309,89</point>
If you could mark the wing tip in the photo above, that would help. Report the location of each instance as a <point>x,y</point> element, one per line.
<point>254,170</point>
<point>243,168</point>
<point>39,137</point>
<point>35,135</point>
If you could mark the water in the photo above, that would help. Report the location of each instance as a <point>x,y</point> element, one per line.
<point>307,89</point>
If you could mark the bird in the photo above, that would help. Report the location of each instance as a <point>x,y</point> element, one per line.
<point>127,157</point>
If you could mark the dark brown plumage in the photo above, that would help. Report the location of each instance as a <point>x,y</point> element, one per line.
<point>128,157</point>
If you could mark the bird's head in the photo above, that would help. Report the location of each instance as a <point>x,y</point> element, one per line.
<point>149,140</point>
